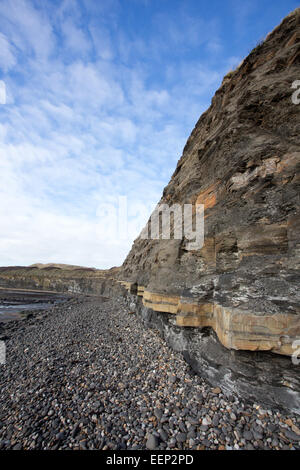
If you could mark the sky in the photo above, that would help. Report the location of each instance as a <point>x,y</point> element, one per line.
<point>100,98</point>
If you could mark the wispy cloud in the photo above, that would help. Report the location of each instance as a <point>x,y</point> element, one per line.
<point>7,54</point>
<point>28,29</point>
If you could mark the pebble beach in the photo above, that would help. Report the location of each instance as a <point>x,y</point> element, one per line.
<point>87,374</point>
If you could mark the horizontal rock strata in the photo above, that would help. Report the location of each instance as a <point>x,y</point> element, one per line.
<point>74,280</point>
<point>235,329</point>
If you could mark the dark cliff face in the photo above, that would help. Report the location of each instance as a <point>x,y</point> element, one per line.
<point>242,162</point>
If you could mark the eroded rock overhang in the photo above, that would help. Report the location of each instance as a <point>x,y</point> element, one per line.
<point>235,329</point>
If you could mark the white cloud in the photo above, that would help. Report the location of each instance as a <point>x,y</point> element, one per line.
<point>27,27</point>
<point>102,42</point>
<point>75,38</point>
<point>7,55</point>
<point>2,93</point>
<point>61,110</point>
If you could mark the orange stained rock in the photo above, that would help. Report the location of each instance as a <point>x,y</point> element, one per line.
<point>208,197</point>
<point>236,329</point>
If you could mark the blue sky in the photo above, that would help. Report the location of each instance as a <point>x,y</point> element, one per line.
<point>101,98</point>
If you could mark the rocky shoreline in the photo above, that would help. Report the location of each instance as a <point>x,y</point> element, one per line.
<point>87,374</point>
<point>17,304</point>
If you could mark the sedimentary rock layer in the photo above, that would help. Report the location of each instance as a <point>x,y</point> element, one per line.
<point>236,329</point>
<point>56,278</point>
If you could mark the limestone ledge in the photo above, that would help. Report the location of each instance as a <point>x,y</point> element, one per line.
<point>236,329</point>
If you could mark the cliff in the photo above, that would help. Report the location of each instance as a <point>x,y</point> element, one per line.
<point>232,306</point>
<point>57,278</point>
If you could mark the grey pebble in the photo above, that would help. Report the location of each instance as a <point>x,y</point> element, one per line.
<point>291,435</point>
<point>181,437</point>
<point>152,442</point>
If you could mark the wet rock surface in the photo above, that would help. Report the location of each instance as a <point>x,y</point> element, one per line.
<point>89,375</point>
